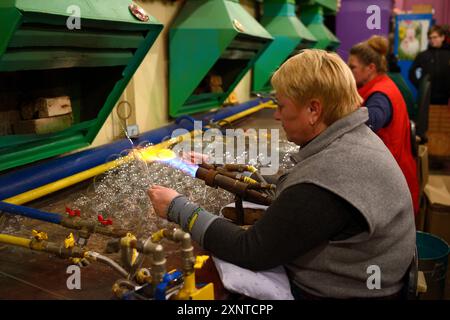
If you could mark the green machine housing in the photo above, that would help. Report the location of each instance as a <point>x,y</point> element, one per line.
<point>40,56</point>
<point>290,36</point>
<point>212,45</point>
<point>312,15</point>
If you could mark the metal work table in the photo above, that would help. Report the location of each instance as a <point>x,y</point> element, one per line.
<point>28,275</point>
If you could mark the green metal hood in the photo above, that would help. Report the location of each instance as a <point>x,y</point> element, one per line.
<point>312,16</point>
<point>329,6</point>
<point>290,35</point>
<point>41,57</point>
<point>213,43</point>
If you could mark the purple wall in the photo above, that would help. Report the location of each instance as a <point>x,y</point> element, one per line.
<point>351,23</point>
<point>441,8</point>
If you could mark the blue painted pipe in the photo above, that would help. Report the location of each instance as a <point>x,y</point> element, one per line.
<point>29,178</point>
<point>30,213</point>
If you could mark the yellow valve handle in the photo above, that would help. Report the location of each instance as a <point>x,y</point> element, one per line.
<point>39,235</point>
<point>69,242</point>
<point>158,235</point>
<point>75,260</point>
<point>200,261</point>
<point>126,242</point>
<point>134,256</point>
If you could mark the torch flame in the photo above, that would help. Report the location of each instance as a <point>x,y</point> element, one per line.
<point>169,157</point>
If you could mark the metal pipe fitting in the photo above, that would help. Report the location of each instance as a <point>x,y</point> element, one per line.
<point>122,287</point>
<point>92,227</point>
<point>63,252</point>
<point>154,250</point>
<point>187,249</point>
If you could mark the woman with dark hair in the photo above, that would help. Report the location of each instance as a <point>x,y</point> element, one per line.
<point>388,116</point>
<point>434,61</point>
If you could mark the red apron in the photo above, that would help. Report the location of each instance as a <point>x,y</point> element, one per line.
<point>397,134</point>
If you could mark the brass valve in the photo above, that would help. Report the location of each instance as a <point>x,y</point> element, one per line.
<point>39,235</point>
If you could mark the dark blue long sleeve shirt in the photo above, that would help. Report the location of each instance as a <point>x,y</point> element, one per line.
<point>380,111</point>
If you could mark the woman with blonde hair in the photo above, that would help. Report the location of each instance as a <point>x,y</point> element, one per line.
<point>388,115</point>
<point>343,208</point>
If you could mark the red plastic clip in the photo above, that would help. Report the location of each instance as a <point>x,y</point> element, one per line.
<point>103,221</point>
<point>73,213</point>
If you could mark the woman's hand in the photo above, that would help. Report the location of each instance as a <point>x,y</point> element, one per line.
<point>194,157</point>
<point>161,197</point>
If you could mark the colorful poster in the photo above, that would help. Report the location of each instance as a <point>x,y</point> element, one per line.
<point>410,38</point>
<point>412,35</point>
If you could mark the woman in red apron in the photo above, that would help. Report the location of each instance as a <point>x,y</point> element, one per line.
<point>388,116</point>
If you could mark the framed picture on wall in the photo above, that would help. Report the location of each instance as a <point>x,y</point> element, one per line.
<point>411,35</point>
<point>410,39</point>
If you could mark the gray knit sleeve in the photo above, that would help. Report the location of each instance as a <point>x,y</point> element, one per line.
<point>190,217</point>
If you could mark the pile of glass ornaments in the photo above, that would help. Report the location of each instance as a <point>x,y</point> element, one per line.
<point>121,193</point>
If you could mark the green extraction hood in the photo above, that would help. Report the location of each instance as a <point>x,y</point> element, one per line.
<point>213,43</point>
<point>44,54</point>
<point>312,16</point>
<point>329,6</point>
<point>290,36</point>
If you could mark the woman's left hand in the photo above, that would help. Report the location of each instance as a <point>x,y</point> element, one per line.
<point>161,197</point>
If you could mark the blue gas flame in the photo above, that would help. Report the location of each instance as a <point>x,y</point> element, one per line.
<point>178,163</point>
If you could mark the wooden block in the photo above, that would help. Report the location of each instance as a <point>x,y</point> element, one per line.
<point>43,125</point>
<point>7,121</point>
<point>215,84</point>
<point>215,80</point>
<point>50,107</point>
<point>438,144</point>
<point>28,111</point>
<point>439,130</point>
<point>439,118</point>
<point>46,107</point>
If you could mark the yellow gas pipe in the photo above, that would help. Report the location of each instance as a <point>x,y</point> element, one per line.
<point>66,250</point>
<point>84,175</point>
<point>39,243</point>
<point>15,241</point>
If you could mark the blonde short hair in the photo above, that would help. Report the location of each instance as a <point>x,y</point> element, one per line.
<point>321,75</point>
